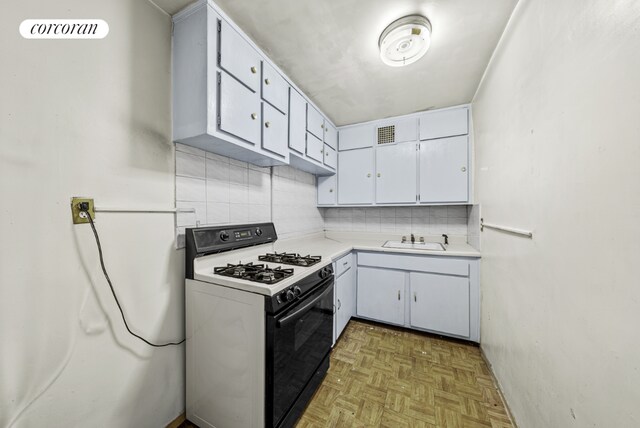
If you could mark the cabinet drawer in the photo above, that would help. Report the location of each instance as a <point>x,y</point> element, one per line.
<point>239,109</point>
<point>274,130</point>
<point>315,122</point>
<point>275,89</point>
<point>297,121</point>
<point>343,264</point>
<point>330,157</point>
<point>315,148</point>
<point>445,123</point>
<point>238,57</point>
<point>330,136</point>
<point>418,263</point>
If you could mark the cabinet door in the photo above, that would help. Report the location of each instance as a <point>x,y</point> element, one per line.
<point>343,302</point>
<point>330,136</point>
<point>444,123</point>
<point>396,174</point>
<point>444,169</point>
<point>380,295</point>
<point>440,303</point>
<point>274,130</point>
<point>238,57</point>
<point>330,157</point>
<point>315,147</point>
<point>315,122</point>
<point>355,172</point>
<point>327,190</point>
<point>239,110</point>
<point>356,137</point>
<point>275,89</point>
<point>297,121</point>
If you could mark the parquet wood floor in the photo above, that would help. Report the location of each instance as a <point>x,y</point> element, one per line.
<point>382,376</point>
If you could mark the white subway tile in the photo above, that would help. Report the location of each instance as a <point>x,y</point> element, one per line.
<point>217,191</point>
<point>217,170</point>
<point>188,149</point>
<point>189,165</point>
<point>238,194</point>
<point>218,213</point>
<point>191,189</point>
<point>239,213</point>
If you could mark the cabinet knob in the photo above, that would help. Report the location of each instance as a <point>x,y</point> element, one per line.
<point>463,169</point>
<point>254,70</point>
<point>322,126</point>
<point>398,294</point>
<point>339,304</point>
<point>267,124</point>
<point>266,81</point>
<point>369,175</point>
<point>254,116</point>
<point>379,175</point>
<point>330,190</point>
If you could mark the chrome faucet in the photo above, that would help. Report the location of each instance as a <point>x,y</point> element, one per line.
<point>413,239</point>
<point>446,238</point>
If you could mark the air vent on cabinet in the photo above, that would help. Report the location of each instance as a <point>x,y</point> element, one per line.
<point>387,134</point>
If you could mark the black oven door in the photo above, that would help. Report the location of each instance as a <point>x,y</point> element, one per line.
<point>298,340</point>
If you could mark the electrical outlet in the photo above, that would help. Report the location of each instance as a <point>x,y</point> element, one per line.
<point>75,210</point>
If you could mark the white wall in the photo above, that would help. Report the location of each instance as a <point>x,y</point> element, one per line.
<point>558,151</point>
<point>92,118</point>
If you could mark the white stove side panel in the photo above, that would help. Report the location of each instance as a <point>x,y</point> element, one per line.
<point>225,356</point>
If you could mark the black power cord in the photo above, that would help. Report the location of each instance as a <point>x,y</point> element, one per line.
<point>106,275</point>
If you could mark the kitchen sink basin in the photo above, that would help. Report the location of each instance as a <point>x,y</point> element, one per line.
<point>431,246</point>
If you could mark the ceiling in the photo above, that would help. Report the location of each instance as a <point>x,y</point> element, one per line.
<point>329,49</point>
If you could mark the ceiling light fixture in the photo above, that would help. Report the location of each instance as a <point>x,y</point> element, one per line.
<point>405,40</point>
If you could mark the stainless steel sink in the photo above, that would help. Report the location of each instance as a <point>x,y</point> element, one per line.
<point>431,246</point>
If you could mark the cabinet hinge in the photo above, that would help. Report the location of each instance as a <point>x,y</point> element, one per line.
<point>219,58</point>
<point>219,78</point>
<point>219,26</point>
<point>418,197</point>
<point>219,120</point>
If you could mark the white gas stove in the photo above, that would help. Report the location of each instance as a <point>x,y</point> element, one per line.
<point>259,327</point>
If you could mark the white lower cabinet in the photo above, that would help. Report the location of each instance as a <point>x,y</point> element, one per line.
<point>431,293</point>
<point>381,294</point>
<point>345,300</point>
<point>440,303</point>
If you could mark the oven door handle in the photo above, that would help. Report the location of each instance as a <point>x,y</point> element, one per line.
<point>303,309</point>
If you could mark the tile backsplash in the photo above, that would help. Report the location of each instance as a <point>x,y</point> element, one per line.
<point>451,220</point>
<point>226,191</point>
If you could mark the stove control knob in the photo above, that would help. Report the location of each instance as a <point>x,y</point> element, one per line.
<point>224,235</point>
<point>323,273</point>
<point>258,232</point>
<point>297,291</point>
<point>289,296</point>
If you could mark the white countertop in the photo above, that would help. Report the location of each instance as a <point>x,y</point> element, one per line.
<point>332,245</point>
<point>329,245</point>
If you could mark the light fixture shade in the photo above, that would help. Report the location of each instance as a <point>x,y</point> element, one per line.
<point>405,40</point>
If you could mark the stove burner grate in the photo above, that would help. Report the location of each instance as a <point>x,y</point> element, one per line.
<point>257,273</point>
<point>290,259</point>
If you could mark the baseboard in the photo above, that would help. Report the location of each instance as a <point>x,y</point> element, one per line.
<point>177,421</point>
<point>498,388</point>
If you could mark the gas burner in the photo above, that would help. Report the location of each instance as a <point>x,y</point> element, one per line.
<point>290,259</point>
<point>257,273</point>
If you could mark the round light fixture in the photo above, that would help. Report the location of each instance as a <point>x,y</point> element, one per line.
<point>405,40</point>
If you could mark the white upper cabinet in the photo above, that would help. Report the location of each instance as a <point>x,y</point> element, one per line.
<point>397,131</point>
<point>315,122</point>
<point>356,137</point>
<point>238,57</point>
<point>275,90</point>
<point>396,174</point>
<point>355,177</point>
<point>297,122</point>
<point>315,148</point>
<point>274,130</point>
<point>239,110</point>
<point>444,123</point>
<point>327,190</point>
<point>330,157</point>
<point>330,135</point>
<point>444,170</point>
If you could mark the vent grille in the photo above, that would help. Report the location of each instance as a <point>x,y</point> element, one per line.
<point>387,134</point>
